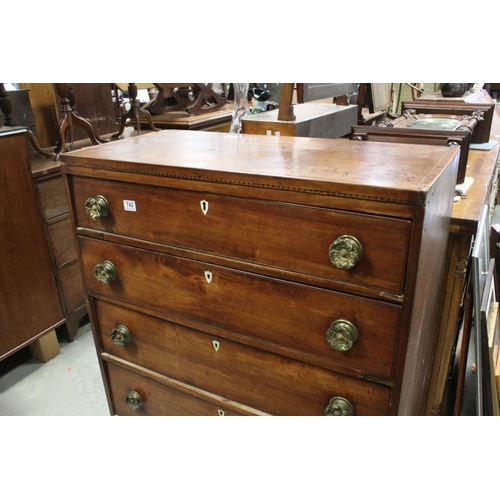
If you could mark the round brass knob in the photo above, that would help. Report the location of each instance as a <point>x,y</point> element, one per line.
<point>339,407</point>
<point>133,400</point>
<point>120,335</point>
<point>345,252</point>
<point>97,207</point>
<point>105,272</point>
<point>342,334</point>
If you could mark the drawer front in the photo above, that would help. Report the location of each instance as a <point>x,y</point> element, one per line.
<point>259,379</point>
<point>53,197</point>
<point>294,318</point>
<point>286,236</point>
<point>61,239</point>
<point>158,399</point>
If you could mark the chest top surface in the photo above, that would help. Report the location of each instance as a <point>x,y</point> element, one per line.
<point>339,167</point>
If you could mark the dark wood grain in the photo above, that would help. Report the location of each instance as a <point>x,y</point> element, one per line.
<point>29,301</point>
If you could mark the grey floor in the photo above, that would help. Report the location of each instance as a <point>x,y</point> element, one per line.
<point>69,384</point>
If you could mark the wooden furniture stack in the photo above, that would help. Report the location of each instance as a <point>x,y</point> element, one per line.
<point>29,302</point>
<point>54,211</point>
<point>250,275</point>
<point>471,102</point>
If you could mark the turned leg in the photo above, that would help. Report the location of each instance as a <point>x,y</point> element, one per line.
<point>71,118</point>
<point>134,113</point>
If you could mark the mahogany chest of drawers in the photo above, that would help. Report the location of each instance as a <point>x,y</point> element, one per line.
<point>254,275</point>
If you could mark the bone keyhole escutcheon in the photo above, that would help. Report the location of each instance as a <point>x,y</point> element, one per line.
<point>204,206</point>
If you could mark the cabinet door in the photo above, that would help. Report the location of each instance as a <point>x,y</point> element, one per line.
<point>29,301</point>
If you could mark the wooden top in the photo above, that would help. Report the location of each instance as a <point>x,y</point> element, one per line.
<point>466,211</point>
<point>184,120</point>
<point>396,173</point>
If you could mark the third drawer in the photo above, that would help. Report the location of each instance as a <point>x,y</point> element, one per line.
<point>271,383</point>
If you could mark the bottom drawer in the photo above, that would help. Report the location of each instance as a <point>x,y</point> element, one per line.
<point>157,399</point>
<point>253,377</point>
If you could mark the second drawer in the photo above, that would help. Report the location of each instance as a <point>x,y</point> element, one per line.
<point>304,321</point>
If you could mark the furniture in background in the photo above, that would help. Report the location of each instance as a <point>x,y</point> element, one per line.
<point>315,115</point>
<point>54,210</point>
<point>410,127</point>
<point>16,110</point>
<point>483,168</point>
<point>374,102</point>
<point>29,305</point>
<point>472,102</point>
<point>252,277</point>
<point>134,113</point>
<point>53,206</point>
<point>188,106</point>
<point>193,98</point>
<point>70,119</point>
<point>92,100</point>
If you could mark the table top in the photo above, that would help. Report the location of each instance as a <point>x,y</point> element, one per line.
<point>480,167</point>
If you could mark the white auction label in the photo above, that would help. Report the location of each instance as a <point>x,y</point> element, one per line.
<point>129,205</point>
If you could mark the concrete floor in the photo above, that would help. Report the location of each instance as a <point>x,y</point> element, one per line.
<point>70,384</point>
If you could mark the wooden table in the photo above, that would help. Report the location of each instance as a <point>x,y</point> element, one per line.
<point>215,121</point>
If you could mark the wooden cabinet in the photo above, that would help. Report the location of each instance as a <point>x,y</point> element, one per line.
<point>54,211</point>
<point>254,275</point>
<point>29,304</point>
<point>470,103</point>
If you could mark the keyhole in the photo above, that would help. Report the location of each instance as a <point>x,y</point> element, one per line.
<point>204,206</point>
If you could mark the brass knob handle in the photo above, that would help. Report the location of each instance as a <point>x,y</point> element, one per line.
<point>105,272</point>
<point>339,407</point>
<point>342,334</point>
<point>97,207</point>
<point>133,400</point>
<point>345,252</point>
<point>120,335</point>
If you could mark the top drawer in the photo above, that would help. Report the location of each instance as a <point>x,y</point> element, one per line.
<point>290,237</point>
